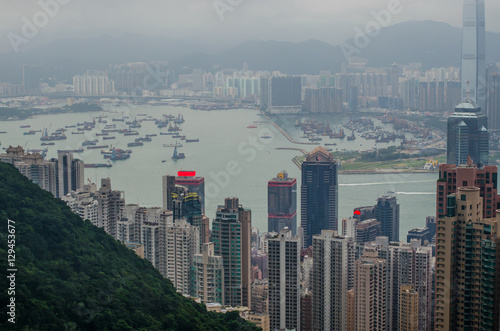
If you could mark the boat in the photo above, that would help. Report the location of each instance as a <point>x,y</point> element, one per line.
<point>97,165</point>
<point>90,142</point>
<point>101,134</point>
<point>110,151</point>
<point>177,136</point>
<point>131,133</point>
<point>3,131</point>
<point>25,126</point>
<point>135,144</point>
<point>98,147</point>
<point>195,140</point>
<point>115,156</point>
<point>70,126</point>
<point>79,132</point>
<point>53,136</point>
<point>252,126</point>
<point>118,120</point>
<point>177,156</point>
<point>48,144</point>
<point>151,135</point>
<point>330,144</point>
<point>78,150</point>
<point>352,136</point>
<point>266,136</point>
<point>180,119</point>
<point>166,133</point>
<point>30,132</point>
<point>61,130</point>
<point>110,137</point>
<point>143,139</point>
<point>340,135</point>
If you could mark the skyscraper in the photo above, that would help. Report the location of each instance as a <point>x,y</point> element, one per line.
<point>319,194</point>
<point>70,173</point>
<point>208,274</point>
<point>474,80</point>
<point>284,282</point>
<point>467,250</point>
<point>285,95</point>
<point>192,184</point>
<point>231,234</point>
<point>452,177</point>
<point>182,243</point>
<point>387,214</point>
<point>332,277</point>
<point>370,292</point>
<point>282,203</point>
<point>467,135</point>
<point>408,309</point>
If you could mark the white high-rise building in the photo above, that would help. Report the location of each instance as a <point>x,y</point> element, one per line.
<point>332,277</point>
<point>284,282</point>
<point>181,244</point>
<point>208,273</point>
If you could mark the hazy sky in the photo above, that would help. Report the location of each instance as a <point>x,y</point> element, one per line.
<point>288,20</point>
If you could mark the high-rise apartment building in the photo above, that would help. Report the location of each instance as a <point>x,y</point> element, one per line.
<point>319,194</point>
<point>182,243</point>
<point>208,274</point>
<point>332,277</point>
<point>284,282</point>
<point>407,264</point>
<point>34,167</point>
<point>231,234</point>
<point>282,203</point>
<point>467,264</point>
<point>452,177</point>
<point>110,204</point>
<point>370,292</point>
<point>468,136</point>
<point>408,309</point>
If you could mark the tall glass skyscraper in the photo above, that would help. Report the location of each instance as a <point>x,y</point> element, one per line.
<point>319,194</point>
<point>468,135</point>
<point>474,82</point>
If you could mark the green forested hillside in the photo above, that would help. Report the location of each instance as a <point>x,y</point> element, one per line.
<point>73,276</point>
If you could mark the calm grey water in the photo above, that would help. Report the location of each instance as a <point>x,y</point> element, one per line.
<point>234,160</point>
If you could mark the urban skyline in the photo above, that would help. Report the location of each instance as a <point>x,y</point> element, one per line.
<point>335,132</point>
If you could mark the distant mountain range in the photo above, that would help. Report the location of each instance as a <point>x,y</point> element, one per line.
<point>433,44</point>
